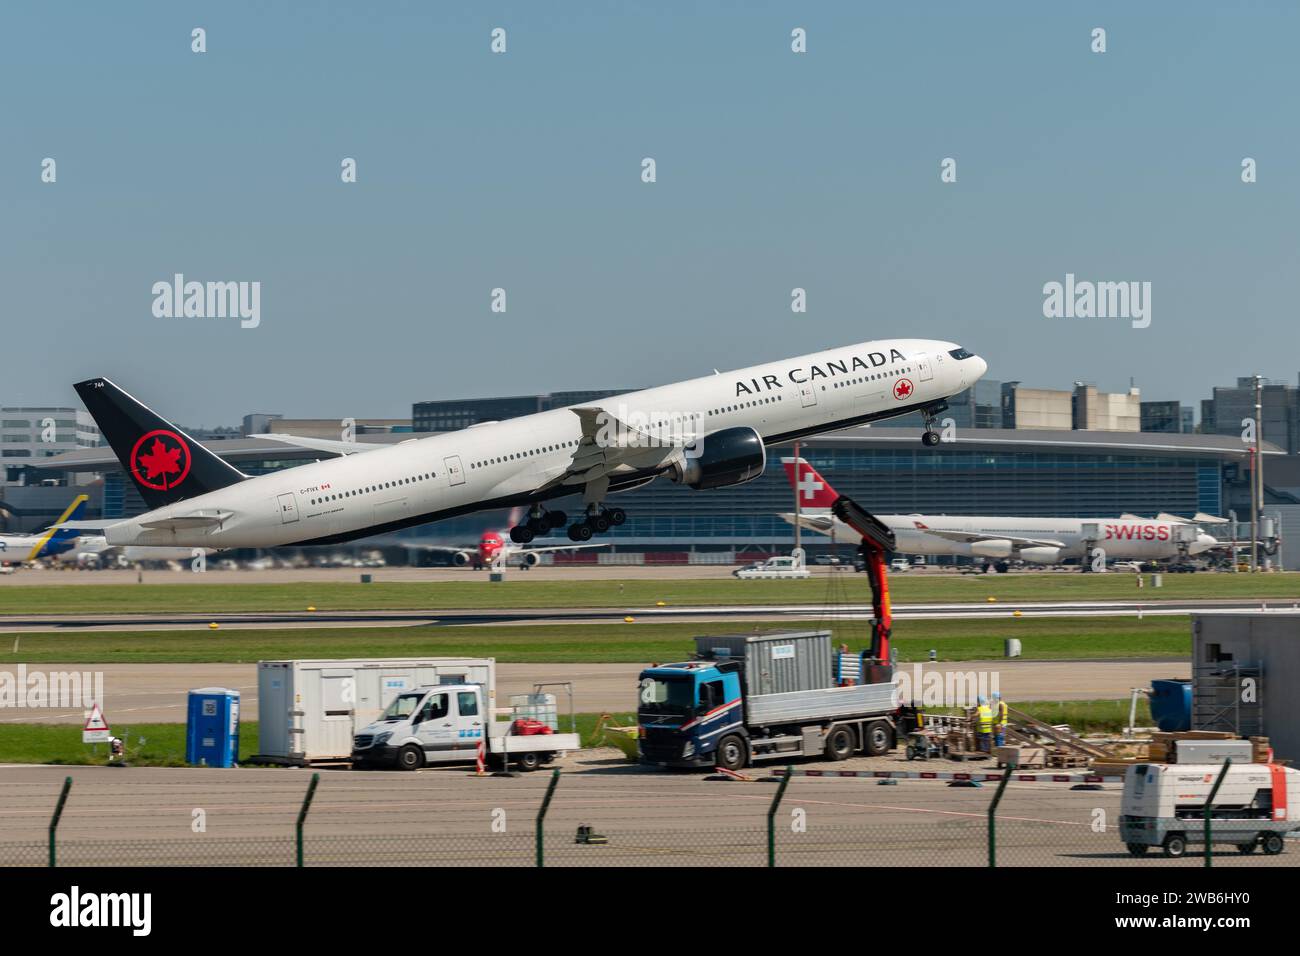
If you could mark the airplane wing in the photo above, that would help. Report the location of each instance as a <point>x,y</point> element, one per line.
<point>813,522</point>
<point>972,537</point>
<point>608,445</point>
<point>322,444</point>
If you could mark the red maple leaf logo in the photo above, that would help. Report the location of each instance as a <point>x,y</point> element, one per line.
<point>160,460</point>
<point>902,388</point>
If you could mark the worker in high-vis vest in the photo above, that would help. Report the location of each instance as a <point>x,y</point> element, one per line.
<point>999,719</point>
<point>984,725</point>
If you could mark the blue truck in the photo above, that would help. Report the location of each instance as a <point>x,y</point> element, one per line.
<point>751,697</point>
<point>754,697</point>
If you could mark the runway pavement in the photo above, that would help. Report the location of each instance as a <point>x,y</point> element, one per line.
<point>450,817</point>
<point>156,693</point>
<point>32,623</point>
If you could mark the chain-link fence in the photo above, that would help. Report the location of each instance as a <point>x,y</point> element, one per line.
<point>786,819</point>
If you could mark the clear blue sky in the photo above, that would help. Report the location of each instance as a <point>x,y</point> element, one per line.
<point>522,171</point>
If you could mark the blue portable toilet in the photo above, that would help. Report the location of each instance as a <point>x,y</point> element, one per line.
<point>1171,705</point>
<point>212,728</point>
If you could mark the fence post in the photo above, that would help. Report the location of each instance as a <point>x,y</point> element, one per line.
<point>1209,804</point>
<point>539,828</point>
<point>58,812</point>
<point>993,814</point>
<point>771,815</point>
<point>302,814</point>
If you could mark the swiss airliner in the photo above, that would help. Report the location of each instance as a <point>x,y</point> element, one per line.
<point>998,539</point>
<point>705,433</point>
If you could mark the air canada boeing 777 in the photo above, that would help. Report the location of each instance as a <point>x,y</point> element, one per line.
<point>705,433</point>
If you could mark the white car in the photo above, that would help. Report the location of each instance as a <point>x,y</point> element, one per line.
<point>778,567</point>
<point>898,565</point>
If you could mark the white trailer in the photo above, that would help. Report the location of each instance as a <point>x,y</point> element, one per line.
<point>1164,805</point>
<point>311,710</point>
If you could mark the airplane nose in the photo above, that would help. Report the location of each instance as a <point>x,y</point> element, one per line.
<point>978,368</point>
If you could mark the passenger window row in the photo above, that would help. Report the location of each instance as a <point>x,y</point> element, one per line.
<point>515,456</point>
<point>750,404</point>
<point>872,378</point>
<point>370,489</point>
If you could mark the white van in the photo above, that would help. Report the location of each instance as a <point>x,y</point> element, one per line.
<point>778,567</point>
<point>445,724</point>
<point>1163,805</point>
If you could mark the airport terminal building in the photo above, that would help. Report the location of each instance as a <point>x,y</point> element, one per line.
<point>985,471</point>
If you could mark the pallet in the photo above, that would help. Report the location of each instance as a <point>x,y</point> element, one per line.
<point>1067,761</point>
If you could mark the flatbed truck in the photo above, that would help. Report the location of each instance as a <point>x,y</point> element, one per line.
<point>749,698</point>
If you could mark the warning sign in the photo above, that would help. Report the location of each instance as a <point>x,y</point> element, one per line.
<point>96,730</point>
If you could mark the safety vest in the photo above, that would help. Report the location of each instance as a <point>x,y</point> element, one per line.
<point>985,719</point>
<point>1002,714</point>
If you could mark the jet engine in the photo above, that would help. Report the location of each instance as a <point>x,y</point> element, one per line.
<point>528,559</point>
<point>731,456</point>
<point>1041,555</point>
<point>461,558</point>
<point>992,548</point>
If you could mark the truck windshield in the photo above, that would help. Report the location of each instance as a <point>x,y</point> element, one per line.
<point>402,707</point>
<point>667,696</point>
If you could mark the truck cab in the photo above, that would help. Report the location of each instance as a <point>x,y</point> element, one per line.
<point>445,723</point>
<point>683,711</point>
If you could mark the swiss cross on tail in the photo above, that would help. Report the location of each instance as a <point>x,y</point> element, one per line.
<point>814,490</point>
<point>160,459</point>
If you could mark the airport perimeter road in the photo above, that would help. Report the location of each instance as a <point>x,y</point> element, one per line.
<point>450,817</point>
<point>156,693</point>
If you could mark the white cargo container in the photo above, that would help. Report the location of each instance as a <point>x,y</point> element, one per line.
<point>310,710</point>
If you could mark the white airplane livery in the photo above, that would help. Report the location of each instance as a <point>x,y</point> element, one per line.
<point>705,433</point>
<point>1035,540</point>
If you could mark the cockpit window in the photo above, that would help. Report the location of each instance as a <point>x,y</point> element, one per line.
<point>961,354</point>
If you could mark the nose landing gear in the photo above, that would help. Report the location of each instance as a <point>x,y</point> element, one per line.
<point>929,437</point>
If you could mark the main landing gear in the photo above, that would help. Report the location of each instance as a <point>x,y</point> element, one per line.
<point>598,521</point>
<point>539,522</point>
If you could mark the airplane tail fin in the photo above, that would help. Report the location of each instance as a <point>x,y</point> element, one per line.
<point>814,490</point>
<point>165,464</point>
<point>58,538</point>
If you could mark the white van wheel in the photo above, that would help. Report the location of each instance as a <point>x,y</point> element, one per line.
<point>1175,845</point>
<point>529,760</point>
<point>410,757</point>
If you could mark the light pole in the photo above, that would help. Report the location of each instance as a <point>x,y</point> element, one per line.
<point>798,477</point>
<point>1256,475</point>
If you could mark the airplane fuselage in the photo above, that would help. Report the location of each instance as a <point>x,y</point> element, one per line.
<point>526,460</point>
<point>1121,538</point>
